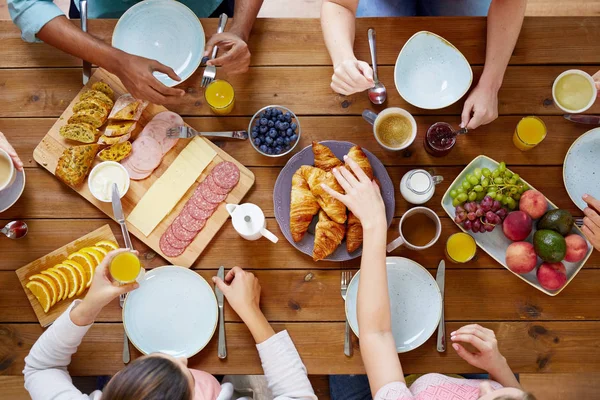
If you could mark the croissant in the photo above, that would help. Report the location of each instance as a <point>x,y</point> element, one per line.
<point>328,236</point>
<point>359,156</point>
<point>324,157</point>
<point>354,234</point>
<point>303,207</point>
<point>335,209</point>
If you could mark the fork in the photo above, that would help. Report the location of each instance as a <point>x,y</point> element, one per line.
<point>579,222</point>
<point>187,132</point>
<point>345,281</point>
<point>210,71</point>
<point>126,357</point>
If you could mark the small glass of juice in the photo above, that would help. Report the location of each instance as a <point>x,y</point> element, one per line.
<point>220,97</point>
<point>125,268</point>
<point>461,248</point>
<point>530,132</point>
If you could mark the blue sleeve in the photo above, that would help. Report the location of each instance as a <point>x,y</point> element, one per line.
<point>31,16</point>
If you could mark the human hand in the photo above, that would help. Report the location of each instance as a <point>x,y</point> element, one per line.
<point>136,75</point>
<point>4,145</point>
<point>591,221</point>
<point>233,55</point>
<point>488,356</point>
<point>351,76</point>
<point>596,78</point>
<point>481,107</point>
<point>363,196</point>
<point>242,291</point>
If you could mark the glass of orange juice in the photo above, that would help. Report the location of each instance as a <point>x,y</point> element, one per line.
<point>461,248</point>
<point>529,133</point>
<point>220,96</point>
<point>125,268</point>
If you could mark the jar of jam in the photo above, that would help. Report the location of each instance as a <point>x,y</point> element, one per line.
<point>440,139</point>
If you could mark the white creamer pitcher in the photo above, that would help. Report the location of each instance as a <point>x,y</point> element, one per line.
<point>249,221</point>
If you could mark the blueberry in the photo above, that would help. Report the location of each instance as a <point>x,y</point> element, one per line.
<point>280,117</point>
<point>254,134</point>
<point>263,121</point>
<point>289,132</point>
<point>288,116</point>
<point>278,150</point>
<point>263,148</point>
<point>285,126</point>
<point>293,138</point>
<point>286,141</point>
<point>279,141</point>
<point>269,150</point>
<point>268,113</point>
<point>255,128</point>
<point>270,124</point>
<point>293,125</point>
<point>263,129</point>
<point>257,142</point>
<point>277,124</point>
<point>269,139</point>
<point>286,148</point>
<point>272,133</point>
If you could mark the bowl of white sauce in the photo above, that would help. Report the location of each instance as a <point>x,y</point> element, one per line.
<point>103,176</point>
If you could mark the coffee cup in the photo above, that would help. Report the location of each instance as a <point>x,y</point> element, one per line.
<point>394,128</point>
<point>419,229</point>
<point>584,87</point>
<point>8,172</point>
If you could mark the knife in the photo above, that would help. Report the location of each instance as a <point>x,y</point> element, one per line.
<point>87,67</point>
<point>119,217</point>
<point>583,119</point>
<point>440,278</point>
<point>222,350</point>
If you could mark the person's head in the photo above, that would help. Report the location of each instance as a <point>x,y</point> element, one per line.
<point>152,377</point>
<point>487,392</point>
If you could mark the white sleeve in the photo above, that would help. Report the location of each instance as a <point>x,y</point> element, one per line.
<point>46,375</point>
<point>283,369</point>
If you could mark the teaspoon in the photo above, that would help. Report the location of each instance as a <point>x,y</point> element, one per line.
<point>15,229</point>
<point>378,93</point>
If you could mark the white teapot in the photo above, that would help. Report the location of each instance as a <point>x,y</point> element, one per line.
<point>249,221</point>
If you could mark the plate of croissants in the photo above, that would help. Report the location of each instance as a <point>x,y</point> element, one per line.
<point>313,221</point>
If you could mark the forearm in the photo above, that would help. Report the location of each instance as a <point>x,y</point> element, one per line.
<point>505,18</point>
<point>245,13</point>
<point>504,375</point>
<point>84,313</point>
<point>258,325</point>
<point>338,25</point>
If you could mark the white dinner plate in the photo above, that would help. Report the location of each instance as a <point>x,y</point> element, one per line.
<point>162,30</point>
<point>580,170</point>
<point>415,302</point>
<point>174,311</point>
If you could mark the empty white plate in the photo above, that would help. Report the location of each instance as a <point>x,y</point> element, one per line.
<point>580,170</point>
<point>162,30</point>
<point>174,311</point>
<point>430,72</point>
<point>415,301</point>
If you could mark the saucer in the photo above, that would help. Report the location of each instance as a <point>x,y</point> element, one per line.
<point>10,195</point>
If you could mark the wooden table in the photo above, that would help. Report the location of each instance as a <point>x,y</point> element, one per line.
<point>537,333</point>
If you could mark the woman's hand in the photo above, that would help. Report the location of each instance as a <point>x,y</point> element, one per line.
<point>4,145</point>
<point>487,355</point>
<point>591,221</point>
<point>101,292</point>
<point>481,107</point>
<point>351,76</point>
<point>242,291</point>
<point>234,55</point>
<point>596,78</point>
<point>363,196</point>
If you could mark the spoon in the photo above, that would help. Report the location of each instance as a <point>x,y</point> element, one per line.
<point>15,229</point>
<point>378,93</point>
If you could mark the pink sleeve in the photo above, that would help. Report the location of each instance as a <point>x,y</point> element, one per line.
<point>394,391</point>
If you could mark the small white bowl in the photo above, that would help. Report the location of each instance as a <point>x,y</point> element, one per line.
<point>589,79</point>
<point>95,172</point>
<point>431,73</point>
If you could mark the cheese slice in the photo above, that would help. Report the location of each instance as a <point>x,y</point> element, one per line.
<point>167,191</point>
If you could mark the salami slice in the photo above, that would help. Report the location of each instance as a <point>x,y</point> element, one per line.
<point>209,195</point>
<point>167,249</point>
<point>197,212</point>
<point>226,174</point>
<point>146,154</point>
<point>189,222</point>
<point>173,241</point>
<point>200,202</point>
<point>181,232</point>
<point>210,181</point>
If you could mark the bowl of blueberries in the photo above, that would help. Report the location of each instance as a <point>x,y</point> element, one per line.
<point>274,131</point>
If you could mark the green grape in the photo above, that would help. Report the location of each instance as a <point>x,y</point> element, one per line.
<point>498,181</point>
<point>525,187</point>
<point>456,203</point>
<point>499,196</point>
<point>485,182</point>
<point>492,195</point>
<point>495,174</point>
<point>473,180</point>
<point>513,190</point>
<point>492,188</point>
<point>504,200</point>
<point>478,188</point>
<point>486,172</point>
<point>453,193</point>
<point>516,176</point>
<point>468,177</point>
<point>462,197</point>
<point>517,196</point>
<point>512,181</point>
<point>460,190</point>
<point>477,172</point>
<point>508,174</point>
<point>511,203</point>
<point>466,185</point>
<point>480,196</point>
<point>520,189</point>
<point>502,167</point>
<point>513,207</point>
<point>472,196</point>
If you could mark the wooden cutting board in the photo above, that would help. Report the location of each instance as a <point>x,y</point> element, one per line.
<point>50,260</point>
<point>52,145</point>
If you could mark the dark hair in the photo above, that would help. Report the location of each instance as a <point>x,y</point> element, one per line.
<point>149,378</point>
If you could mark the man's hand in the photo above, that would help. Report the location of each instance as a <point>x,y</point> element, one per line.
<point>4,145</point>
<point>481,107</point>
<point>233,55</point>
<point>351,76</point>
<point>136,74</point>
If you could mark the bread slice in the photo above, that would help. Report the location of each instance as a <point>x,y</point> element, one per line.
<point>93,103</point>
<point>104,88</point>
<point>89,116</point>
<point>116,152</point>
<point>99,95</point>
<point>113,140</point>
<point>127,108</point>
<point>80,132</point>
<point>75,163</point>
<point>119,128</point>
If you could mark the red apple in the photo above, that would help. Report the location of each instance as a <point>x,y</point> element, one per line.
<point>533,203</point>
<point>552,276</point>
<point>576,248</point>
<point>517,226</point>
<point>521,257</point>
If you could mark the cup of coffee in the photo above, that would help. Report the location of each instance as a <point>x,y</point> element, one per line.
<point>419,228</point>
<point>394,128</point>
<point>8,172</point>
<point>574,91</point>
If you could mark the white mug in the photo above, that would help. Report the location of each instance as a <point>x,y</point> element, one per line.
<point>401,241</point>
<point>588,77</point>
<point>249,222</point>
<point>12,172</point>
<point>374,120</point>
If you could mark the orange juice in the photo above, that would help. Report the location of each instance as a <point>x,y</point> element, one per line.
<point>529,133</point>
<point>220,96</point>
<point>461,248</point>
<point>125,267</point>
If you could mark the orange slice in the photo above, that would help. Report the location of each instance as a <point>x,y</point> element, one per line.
<point>84,259</point>
<point>96,255</point>
<point>80,272</point>
<point>87,271</point>
<point>50,283</point>
<point>73,278</point>
<point>65,278</point>
<point>41,292</point>
<point>101,250</point>
<point>107,244</point>
<point>60,282</point>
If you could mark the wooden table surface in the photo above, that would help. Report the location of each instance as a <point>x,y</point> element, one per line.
<point>290,66</point>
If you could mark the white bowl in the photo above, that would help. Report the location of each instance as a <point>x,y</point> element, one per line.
<point>431,73</point>
<point>93,175</point>
<point>589,79</point>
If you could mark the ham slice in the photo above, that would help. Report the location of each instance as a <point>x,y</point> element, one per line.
<point>157,129</point>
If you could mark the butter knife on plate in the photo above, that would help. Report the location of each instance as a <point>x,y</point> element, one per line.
<point>583,119</point>
<point>222,348</point>
<point>440,279</point>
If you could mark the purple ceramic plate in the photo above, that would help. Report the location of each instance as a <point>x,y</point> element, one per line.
<point>10,195</point>
<point>282,196</point>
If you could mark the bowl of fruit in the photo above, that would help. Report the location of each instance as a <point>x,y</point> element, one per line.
<point>274,131</point>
